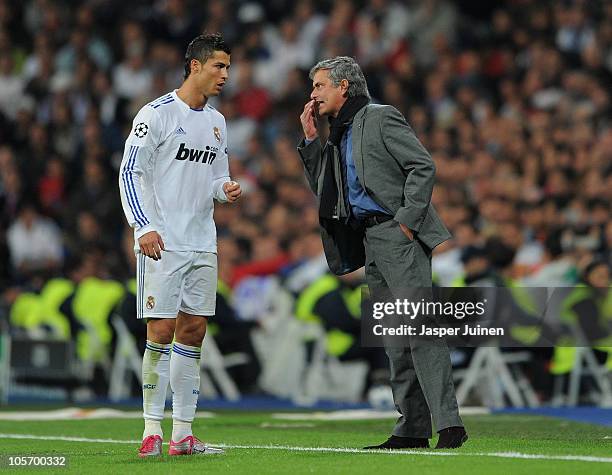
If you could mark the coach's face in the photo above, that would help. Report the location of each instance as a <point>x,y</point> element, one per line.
<point>328,98</point>
<point>212,75</point>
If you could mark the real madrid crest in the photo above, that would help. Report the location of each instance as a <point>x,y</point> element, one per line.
<point>217,133</point>
<point>150,302</point>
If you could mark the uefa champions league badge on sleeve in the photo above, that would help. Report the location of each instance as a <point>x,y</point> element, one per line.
<point>141,130</point>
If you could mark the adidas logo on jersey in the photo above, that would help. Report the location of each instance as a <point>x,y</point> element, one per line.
<point>194,155</point>
<point>180,131</point>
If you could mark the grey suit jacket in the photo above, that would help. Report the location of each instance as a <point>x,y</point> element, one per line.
<point>395,170</point>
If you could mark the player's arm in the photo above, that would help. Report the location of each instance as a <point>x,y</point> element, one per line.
<point>136,163</point>
<point>224,189</point>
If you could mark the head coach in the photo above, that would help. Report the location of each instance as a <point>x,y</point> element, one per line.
<point>374,180</point>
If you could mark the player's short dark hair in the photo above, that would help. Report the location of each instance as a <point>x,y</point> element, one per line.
<point>202,47</point>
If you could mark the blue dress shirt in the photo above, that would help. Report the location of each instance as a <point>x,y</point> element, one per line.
<point>362,205</point>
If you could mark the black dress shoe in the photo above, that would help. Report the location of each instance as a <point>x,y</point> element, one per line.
<point>394,443</point>
<point>451,438</point>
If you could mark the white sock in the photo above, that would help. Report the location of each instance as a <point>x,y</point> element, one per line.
<point>152,428</point>
<point>185,384</point>
<point>155,377</point>
<point>180,430</point>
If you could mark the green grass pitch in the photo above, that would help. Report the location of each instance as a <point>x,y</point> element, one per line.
<point>506,444</point>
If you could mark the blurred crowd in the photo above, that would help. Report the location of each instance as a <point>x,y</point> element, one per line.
<point>511,98</point>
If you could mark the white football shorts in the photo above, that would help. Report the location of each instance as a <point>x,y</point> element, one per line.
<point>180,280</point>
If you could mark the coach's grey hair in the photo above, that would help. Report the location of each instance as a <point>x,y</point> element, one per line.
<point>344,67</point>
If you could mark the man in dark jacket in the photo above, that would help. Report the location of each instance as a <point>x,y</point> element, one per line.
<point>374,180</point>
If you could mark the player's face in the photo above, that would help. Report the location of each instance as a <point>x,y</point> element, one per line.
<point>328,98</point>
<point>212,75</point>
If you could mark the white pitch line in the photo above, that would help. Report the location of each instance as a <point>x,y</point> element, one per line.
<point>66,438</point>
<point>363,414</point>
<point>79,414</point>
<point>509,455</point>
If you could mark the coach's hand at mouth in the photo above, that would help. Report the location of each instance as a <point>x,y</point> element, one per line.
<point>308,118</point>
<point>232,190</point>
<point>151,245</point>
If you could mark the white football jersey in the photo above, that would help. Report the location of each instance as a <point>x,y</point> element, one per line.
<point>174,164</point>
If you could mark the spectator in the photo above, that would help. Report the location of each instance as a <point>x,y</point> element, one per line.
<point>52,188</point>
<point>34,242</point>
<point>96,191</point>
<point>11,86</point>
<point>82,44</point>
<point>240,128</point>
<point>132,78</point>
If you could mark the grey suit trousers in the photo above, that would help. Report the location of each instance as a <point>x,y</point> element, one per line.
<point>421,372</point>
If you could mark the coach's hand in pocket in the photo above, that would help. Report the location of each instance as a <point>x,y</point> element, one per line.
<point>151,245</point>
<point>407,231</point>
<point>232,190</point>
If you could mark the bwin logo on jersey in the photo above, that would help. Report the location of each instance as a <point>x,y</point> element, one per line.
<point>194,155</point>
<point>149,386</point>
